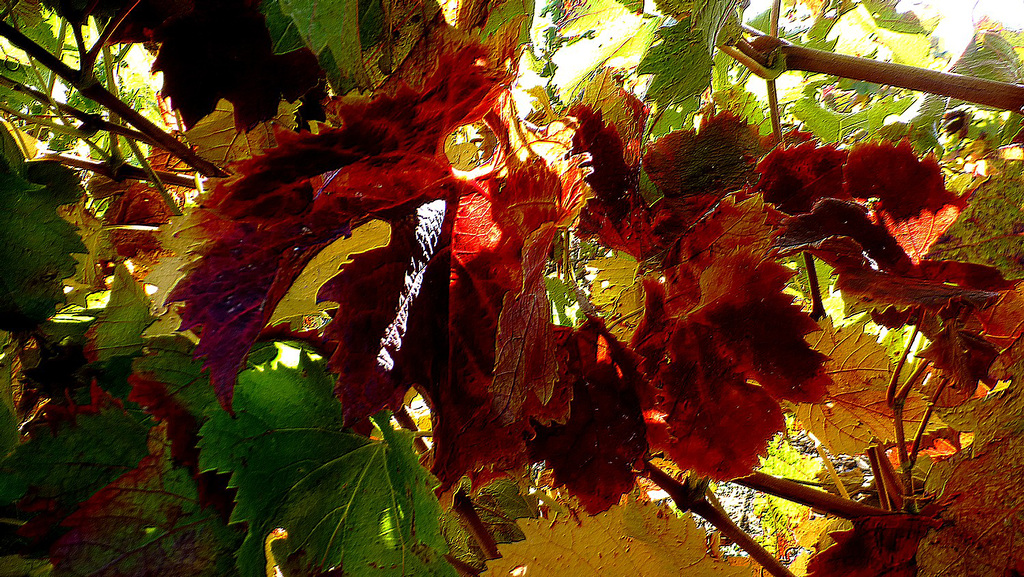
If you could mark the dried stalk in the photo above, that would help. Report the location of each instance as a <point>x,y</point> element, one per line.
<point>820,500</point>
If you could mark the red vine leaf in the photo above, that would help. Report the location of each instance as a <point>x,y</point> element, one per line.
<point>617,214</point>
<point>593,453</point>
<point>916,234</point>
<point>291,202</point>
<point>831,219</point>
<point>903,184</point>
<point>759,329</point>
<point>795,178</point>
<point>704,414</point>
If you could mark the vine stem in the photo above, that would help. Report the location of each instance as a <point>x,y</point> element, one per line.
<point>723,523</point>
<point>463,507</point>
<point>977,90</point>
<point>924,422</point>
<point>817,306</point>
<point>691,496</point>
<point>124,171</point>
<point>773,95</point>
<point>830,468</point>
<point>890,391</point>
<point>90,58</point>
<point>890,493</point>
<point>88,119</point>
<point>805,495</point>
<point>407,422</point>
<point>901,396</point>
<point>87,84</point>
<point>1002,95</point>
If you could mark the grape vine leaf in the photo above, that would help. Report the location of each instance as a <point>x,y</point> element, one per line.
<point>594,452</point>
<point>364,506</point>
<point>988,231</point>
<point>829,219</point>
<point>700,408</point>
<point>223,50</point>
<point>618,293</point>
<point>37,242</point>
<point>118,327</point>
<point>217,139</point>
<point>884,545</point>
<point>832,127</point>
<point>470,437</point>
<point>708,16</point>
<point>795,178</point>
<point>616,213</point>
<point>635,539</point>
<point>674,84</point>
<point>149,521</point>
<point>375,291</point>
<point>854,411</point>
<point>903,184</point>
<point>594,33</point>
<point>266,224</point>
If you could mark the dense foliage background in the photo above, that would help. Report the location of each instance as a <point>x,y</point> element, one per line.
<point>392,287</point>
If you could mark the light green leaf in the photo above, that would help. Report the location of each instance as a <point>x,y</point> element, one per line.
<point>988,231</point>
<point>119,325</point>
<point>680,63</point>
<point>831,126</point>
<point>331,25</point>
<point>365,506</point>
<point>565,311</point>
<point>708,16</point>
<point>218,140</point>
<point>599,33</point>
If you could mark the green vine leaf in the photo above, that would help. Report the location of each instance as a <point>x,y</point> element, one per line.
<point>676,83</point>
<point>346,501</point>
<point>35,242</point>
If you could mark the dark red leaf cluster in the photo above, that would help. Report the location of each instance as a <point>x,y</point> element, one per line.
<point>293,201</point>
<point>703,343</point>
<point>594,453</point>
<point>222,49</point>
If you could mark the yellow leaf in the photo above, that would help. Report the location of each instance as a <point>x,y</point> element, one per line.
<point>633,540</point>
<point>619,294</point>
<point>300,300</point>
<point>854,411</point>
<point>216,139</point>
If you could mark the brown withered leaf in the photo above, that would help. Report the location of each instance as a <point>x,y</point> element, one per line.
<point>883,546</point>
